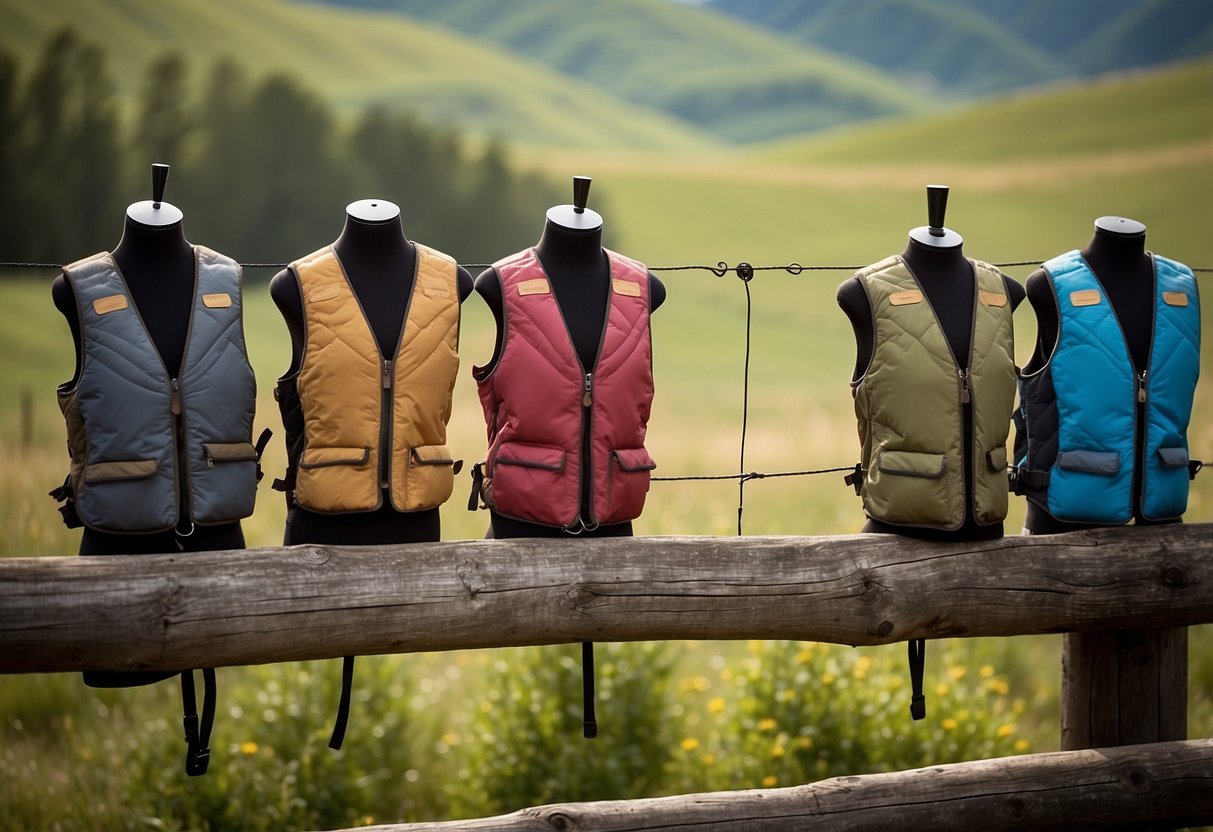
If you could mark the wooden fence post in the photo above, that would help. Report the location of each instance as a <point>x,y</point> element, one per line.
<point>1123,687</point>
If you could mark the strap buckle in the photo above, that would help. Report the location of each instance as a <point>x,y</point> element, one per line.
<point>855,478</point>
<point>476,496</point>
<point>1194,466</point>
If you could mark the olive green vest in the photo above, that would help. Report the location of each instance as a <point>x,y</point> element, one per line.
<point>911,403</point>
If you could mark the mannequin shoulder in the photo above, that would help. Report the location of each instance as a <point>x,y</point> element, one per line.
<point>63,296</point>
<point>284,289</point>
<point>464,281</point>
<point>1015,291</point>
<point>657,293</point>
<point>853,299</point>
<point>1038,290</point>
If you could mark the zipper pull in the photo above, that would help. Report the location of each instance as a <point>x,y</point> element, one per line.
<point>175,397</point>
<point>586,398</point>
<point>965,398</point>
<point>387,374</point>
<point>1141,386</point>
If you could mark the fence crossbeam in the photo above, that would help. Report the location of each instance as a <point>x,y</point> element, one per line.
<point>169,612</point>
<point>1132,787</point>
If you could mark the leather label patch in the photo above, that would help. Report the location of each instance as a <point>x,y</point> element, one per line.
<point>626,287</point>
<point>538,286</point>
<point>435,289</point>
<point>219,300</point>
<point>1175,298</point>
<point>110,303</point>
<point>992,299</point>
<point>1087,297</point>
<point>324,293</point>
<point>905,298</point>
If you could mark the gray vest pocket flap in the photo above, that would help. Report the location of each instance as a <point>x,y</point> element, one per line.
<point>132,469</point>
<point>1174,457</point>
<point>996,459</point>
<point>229,452</point>
<point>913,464</point>
<point>324,457</point>
<point>1091,462</point>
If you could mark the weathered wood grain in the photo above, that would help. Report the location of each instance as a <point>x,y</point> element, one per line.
<point>307,602</point>
<point>1133,787</point>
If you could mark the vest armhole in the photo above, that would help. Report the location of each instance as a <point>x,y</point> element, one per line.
<point>856,381</point>
<point>1030,370</point>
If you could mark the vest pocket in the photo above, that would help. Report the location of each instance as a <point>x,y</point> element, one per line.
<point>430,478</point>
<point>628,480</point>
<point>1173,457</point>
<point>313,457</point>
<point>527,482</point>
<point>909,488</point>
<point>132,469</point>
<point>1090,462</point>
<point>228,452</point>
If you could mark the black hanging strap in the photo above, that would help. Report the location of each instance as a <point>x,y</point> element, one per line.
<point>590,722</point>
<point>343,707</point>
<point>198,733</point>
<point>477,482</point>
<point>1194,466</point>
<point>855,478</point>
<point>918,652</point>
<point>259,446</point>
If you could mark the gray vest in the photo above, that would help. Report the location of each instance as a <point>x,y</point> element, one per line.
<point>140,441</point>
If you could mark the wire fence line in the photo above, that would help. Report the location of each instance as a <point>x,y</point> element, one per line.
<point>743,269</point>
<point>744,272</point>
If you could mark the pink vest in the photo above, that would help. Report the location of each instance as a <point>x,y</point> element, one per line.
<point>538,395</point>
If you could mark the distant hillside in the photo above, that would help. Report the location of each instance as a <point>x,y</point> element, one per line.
<point>1164,111</point>
<point>980,46</point>
<point>354,58</point>
<point>738,82</point>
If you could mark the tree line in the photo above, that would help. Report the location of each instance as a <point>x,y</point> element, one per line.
<point>262,168</point>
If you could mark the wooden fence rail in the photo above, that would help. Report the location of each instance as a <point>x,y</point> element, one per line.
<point>1161,785</point>
<point>311,602</point>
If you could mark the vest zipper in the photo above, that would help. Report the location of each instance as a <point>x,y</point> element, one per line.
<point>965,394</point>
<point>180,443</point>
<point>586,493</point>
<point>1140,429</point>
<point>385,422</point>
<point>1141,386</point>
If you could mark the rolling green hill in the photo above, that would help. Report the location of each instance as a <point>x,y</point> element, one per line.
<point>978,46</point>
<point>941,43</point>
<point>355,58</point>
<point>1167,109</point>
<point>738,82</point>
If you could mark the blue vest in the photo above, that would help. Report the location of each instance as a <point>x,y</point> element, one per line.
<point>1077,444</point>
<point>142,444</point>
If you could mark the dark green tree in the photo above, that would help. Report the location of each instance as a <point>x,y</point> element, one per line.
<point>164,120</point>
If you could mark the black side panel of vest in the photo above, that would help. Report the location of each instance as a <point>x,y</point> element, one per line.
<point>1040,402</point>
<point>287,394</point>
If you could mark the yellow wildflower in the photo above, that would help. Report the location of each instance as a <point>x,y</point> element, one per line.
<point>709,759</point>
<point>1021,745</point>
<point>770,780</point>
<point>998,686</point>
<point>767,724</point>
<point>949,724</point>
<point>777,750</point>
<point>248,748</point>
<point>716,705</point>
<point>957,672</point>
<point>805,742</point>
<point>987,670</point>
<point>689,744</point>
<point>1006,730</point>
<point>942,689</point>
<point>828,679</point>
<point>804,655</point>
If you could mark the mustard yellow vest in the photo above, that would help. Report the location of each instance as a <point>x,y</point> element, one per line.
<point>911,403</point>
<point>373,423</point>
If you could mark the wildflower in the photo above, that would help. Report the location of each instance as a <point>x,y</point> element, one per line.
<point>716,705</point>
<point>957,672</point>
<point>804,655</point>
<point>770,780</point>
<point>998,686</point>
<point>689,744</point>
<point>942,689</point>
<point>1021,745</point>
<point>949,724</point>
<point>248,748</point>
<point>767,724</point>
<point>1006,730</point>
<point>708,759</point>
<point>828,679</point>
<point>987,670</point>
<point>777,750</point>
<point>805,742</point>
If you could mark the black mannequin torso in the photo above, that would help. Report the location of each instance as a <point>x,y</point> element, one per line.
<point>947,281</point>
<point>1117,255</point>
<point>380,264</point>
<point>578,270</point>
<point>158,265</point>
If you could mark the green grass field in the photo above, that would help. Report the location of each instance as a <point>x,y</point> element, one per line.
<point>72,756</point>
